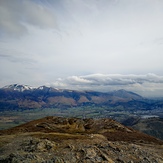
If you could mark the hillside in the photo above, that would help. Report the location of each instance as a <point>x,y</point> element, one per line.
<point>58,139</point>
<point>152,126</point>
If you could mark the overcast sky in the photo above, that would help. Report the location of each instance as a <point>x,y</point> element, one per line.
<point>83,44</point>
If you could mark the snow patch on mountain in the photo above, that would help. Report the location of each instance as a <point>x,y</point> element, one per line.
<point>18,87</point>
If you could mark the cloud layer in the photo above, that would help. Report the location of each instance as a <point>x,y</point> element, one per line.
<point>146,85</point>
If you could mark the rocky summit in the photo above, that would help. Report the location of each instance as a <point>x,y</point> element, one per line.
<point>74,140</point>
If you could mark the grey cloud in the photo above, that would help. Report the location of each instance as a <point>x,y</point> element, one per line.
<point>15,15</point>
<point>39,15</point>
<point>10,16</point>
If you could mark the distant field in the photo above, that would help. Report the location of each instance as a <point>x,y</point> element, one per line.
<point>10,119</point>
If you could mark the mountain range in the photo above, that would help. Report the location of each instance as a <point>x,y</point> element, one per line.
<point>16,97</point>
<point>25,97</point>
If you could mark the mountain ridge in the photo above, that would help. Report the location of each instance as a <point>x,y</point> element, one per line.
<point>23,96</point>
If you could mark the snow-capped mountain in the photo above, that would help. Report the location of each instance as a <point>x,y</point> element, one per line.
<point>23,96</point>
<point>18,87</point>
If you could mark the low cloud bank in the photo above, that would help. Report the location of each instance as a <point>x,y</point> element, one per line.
<point>146,85</point>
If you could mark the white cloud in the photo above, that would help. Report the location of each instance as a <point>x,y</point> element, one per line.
<point>147,85</point>
<point>77,80</point>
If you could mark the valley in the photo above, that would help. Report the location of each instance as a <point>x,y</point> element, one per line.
<point>20,104</point>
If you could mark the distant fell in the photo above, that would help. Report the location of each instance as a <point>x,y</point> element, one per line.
<point>126,94</point>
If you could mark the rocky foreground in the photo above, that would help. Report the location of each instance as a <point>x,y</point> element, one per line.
<point>73,140</point>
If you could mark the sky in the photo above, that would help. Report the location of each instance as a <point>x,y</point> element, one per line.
<point>101,45</point>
